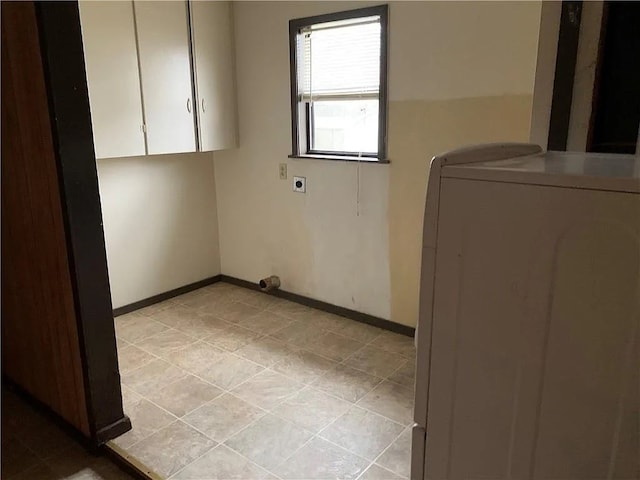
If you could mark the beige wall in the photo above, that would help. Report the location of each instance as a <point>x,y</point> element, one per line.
<point>459,73</point>
<point>160,223</point>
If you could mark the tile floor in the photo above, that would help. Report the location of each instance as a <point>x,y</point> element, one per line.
<point>225,382</point>
<point>34,448</point>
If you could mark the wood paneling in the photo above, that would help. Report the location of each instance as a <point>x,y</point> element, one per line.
<point>40,346</point>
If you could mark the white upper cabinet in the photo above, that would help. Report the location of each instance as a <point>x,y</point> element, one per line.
<point>212,37</point>
<point>156,71</point>
<point>111,61</point>
<point>165,70</point>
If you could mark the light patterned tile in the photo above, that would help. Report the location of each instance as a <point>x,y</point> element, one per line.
<point>408,369</point>
<point>196,357</point>
<point>129,397</point>
<point>392,401</point>
<point>269,441</point>
<point>146,418</point>
<point>346,383</point>
<point>298,333</point>
<point>265,322</point>
<point>223,417</point>
<point>357,330</point>
<point>185,395</point>
<point>262,300</point>
<point>320,460</point>
<point>229,370</point>
<point>405,375</point>
<point>235,312</point>
<point>244,295</point>
<point>121,343</point>
<point>135,327</point>
<point>333,346</point>
<point>311,409</point>
<point>174,315</point>
<point>376,472</point>
<point>200,299</point>
<point>172,448</point>
<point>266,351</point>
<point>364,433</point>
<point>375,361</point>
<point>151,310</point>
<point>304,366</point>
<point>164,343</point>
<point>231,338</point>
<point>267,389</point>
<point>326,320</point>
<point>152,377</point>
<point>221,288</point>
<point>132,357</point>
<point>292,310</point>
<point>395,343</point>
<point>397,457</point>
<point>222,463</point>
<point>195,323</point>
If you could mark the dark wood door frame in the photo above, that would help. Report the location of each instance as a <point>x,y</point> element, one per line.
<point>65,79</point>
<point>598,75</point>
<point>615,106</point>
<point>565,69</point>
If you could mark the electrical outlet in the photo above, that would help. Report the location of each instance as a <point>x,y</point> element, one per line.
<point>299,184</point>
<point>283,171</point>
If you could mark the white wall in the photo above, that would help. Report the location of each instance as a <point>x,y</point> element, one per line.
<point>160,223</point>
<point>459,73</point>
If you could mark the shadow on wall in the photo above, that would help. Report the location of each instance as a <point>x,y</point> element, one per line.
<point>161,227</point>
<point>418,130</point>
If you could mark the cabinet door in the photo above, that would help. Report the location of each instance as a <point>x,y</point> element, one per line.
<point>165,67</point>
<point>113,78</point>
<point>212,33</point>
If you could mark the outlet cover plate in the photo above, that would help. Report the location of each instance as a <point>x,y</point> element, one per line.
<point>282,171</point>
<point>299,184</point>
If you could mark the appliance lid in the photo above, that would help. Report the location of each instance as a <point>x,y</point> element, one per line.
<point>594,171</point>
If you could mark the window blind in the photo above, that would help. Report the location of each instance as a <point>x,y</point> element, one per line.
<point>340,59</point>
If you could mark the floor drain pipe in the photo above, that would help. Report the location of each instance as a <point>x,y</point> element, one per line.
<point>269,283</point>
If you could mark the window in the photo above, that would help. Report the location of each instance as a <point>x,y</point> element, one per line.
<point>338,85</point>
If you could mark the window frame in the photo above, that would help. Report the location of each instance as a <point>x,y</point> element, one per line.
<point>300,141</point>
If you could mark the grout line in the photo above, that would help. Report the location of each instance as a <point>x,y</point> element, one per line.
<point>304,385</point>
<point>361,476</point>
<point>270,368</point>
<point>311,385</point>
<point>147,336</point>
<point>251,461</point>
<point>295,450</point>
<point>176,419</point>
<point>388,447</point>
<point>340,447</point>
<point>196,375</point>
<point>155,431</point>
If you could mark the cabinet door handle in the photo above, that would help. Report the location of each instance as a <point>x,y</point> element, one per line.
<point>203,109</point>
<point>189,105</point>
